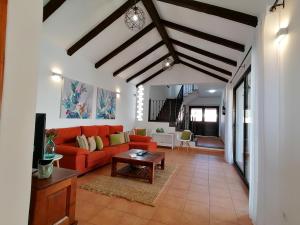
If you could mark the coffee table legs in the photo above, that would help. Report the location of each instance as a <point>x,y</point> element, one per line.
<point>162,164</point>
<point>152,171</point>
<point>113,168</point>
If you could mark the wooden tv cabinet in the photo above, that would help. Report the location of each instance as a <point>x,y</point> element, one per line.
<point>53,200</point>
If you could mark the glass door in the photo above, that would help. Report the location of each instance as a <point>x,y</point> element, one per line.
<point>242,121</point>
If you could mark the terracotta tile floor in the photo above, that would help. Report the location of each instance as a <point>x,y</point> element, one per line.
<point>204,190</point>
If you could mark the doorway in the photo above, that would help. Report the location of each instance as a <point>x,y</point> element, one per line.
<point>204,120</point>
<point>242,120</point>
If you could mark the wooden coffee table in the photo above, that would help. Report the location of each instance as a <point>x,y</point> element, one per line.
<point>142,167</point>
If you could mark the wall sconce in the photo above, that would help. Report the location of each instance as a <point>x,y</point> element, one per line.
<point>56,77</point>
<point>118,92</point>
<point>281,34</point>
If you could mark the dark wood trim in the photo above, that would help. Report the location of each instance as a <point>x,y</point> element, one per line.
<point>51,7</point>
<point>205,53</point>
<point>151,77</point>
<point>204,71</point>
<point>216,11</point>
<point>148,67</point>
<point>205,36</point>
<point>138,58</point>
<point>3,20</point>
<point>125,45</point>
<point>160,28</point>
<point>240,81</point>
<point>241,65</point>
<point>101,26</point>
<point>204,64</point>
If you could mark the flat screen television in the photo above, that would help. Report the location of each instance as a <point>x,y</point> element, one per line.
<point>39,138</point>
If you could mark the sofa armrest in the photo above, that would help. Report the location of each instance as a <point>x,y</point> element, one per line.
<point>138,138</point>
<point>70,150</point>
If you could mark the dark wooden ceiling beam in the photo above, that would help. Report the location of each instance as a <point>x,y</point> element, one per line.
<point>51,7</point>
<point>208,65</point>
<point>151,77</point>
<point>204,71</point>
<point>205,53</point>
<point>205,36</point>
<point>101,26</point>
<point>161,29</point>
<point>138,58</point>
<point>216,11</point>
<point>125,45</point>
<point>148,67</point>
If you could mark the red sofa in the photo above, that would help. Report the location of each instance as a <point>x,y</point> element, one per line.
<point>81,159</point>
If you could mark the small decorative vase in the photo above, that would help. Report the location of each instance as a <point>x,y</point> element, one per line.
<point>50,149</point>
<point>45,169</point>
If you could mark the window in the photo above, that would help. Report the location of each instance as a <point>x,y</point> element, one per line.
<point>210,115</point>
<point>196,114</point>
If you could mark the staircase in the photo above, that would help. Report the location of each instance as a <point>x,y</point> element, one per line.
<point>171,110</point>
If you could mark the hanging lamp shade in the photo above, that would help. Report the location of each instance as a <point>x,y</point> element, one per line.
<point>135,18</point>
<point>168,63</point>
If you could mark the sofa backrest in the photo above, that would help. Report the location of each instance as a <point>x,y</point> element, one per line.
<point>67,135</point>
<point>115,129</point>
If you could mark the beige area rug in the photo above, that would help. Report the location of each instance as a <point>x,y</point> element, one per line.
<point>132,189</point>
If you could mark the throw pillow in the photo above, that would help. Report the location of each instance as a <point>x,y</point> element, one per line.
<point>82,142</point>
<point>126,136</point>
<point>185,135</point>
<point>99,143</point>
<point>141,132</point>
<point>115,139</point>
<point>122,137</point>
<point>92,144</point>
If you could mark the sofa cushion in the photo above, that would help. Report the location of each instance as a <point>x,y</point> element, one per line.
<point>103,132</point>
<point>151,146</point>
<point>89,131</point>
<point>116,139</point>
<point>97,158</point>
<point>141,132</point>
<point>137,138</point>
<point>67,135</point>
<point>113,150</point>
<point>115,129</point>
<point>99,143</point>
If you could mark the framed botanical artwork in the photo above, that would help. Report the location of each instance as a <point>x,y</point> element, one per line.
<point>3,19</point>
<point>106,104</point>
<point>76,100</point>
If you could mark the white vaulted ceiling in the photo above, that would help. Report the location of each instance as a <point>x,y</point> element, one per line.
<point>73,19</point>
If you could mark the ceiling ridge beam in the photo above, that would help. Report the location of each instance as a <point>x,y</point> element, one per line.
<point>205,36</point>
<point>204,71</point>
<point>138,58</point>
<point>225,13</point>
<point>101,26</point>
<point>205,53</point>
<point>51,7</point>
<point>148,67</point>
<point>151,77</point>
<point>125,45</point>
<point>161,29</point>
<point>208,65</point>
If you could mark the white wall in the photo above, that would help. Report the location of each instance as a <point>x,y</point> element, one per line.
<point>18,109</point>
<point>78,68</point>
<point>280,149</point>
<point>158,92</point>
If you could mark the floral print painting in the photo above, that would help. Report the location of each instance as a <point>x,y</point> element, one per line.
<point>77,100</point>
<point>106,104</point>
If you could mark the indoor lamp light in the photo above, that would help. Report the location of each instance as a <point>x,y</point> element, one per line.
<point>167,64</point>
<point>135,18</point>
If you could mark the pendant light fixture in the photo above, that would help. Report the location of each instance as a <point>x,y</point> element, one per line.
<point>135,18</point>
<point>167,64</point>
